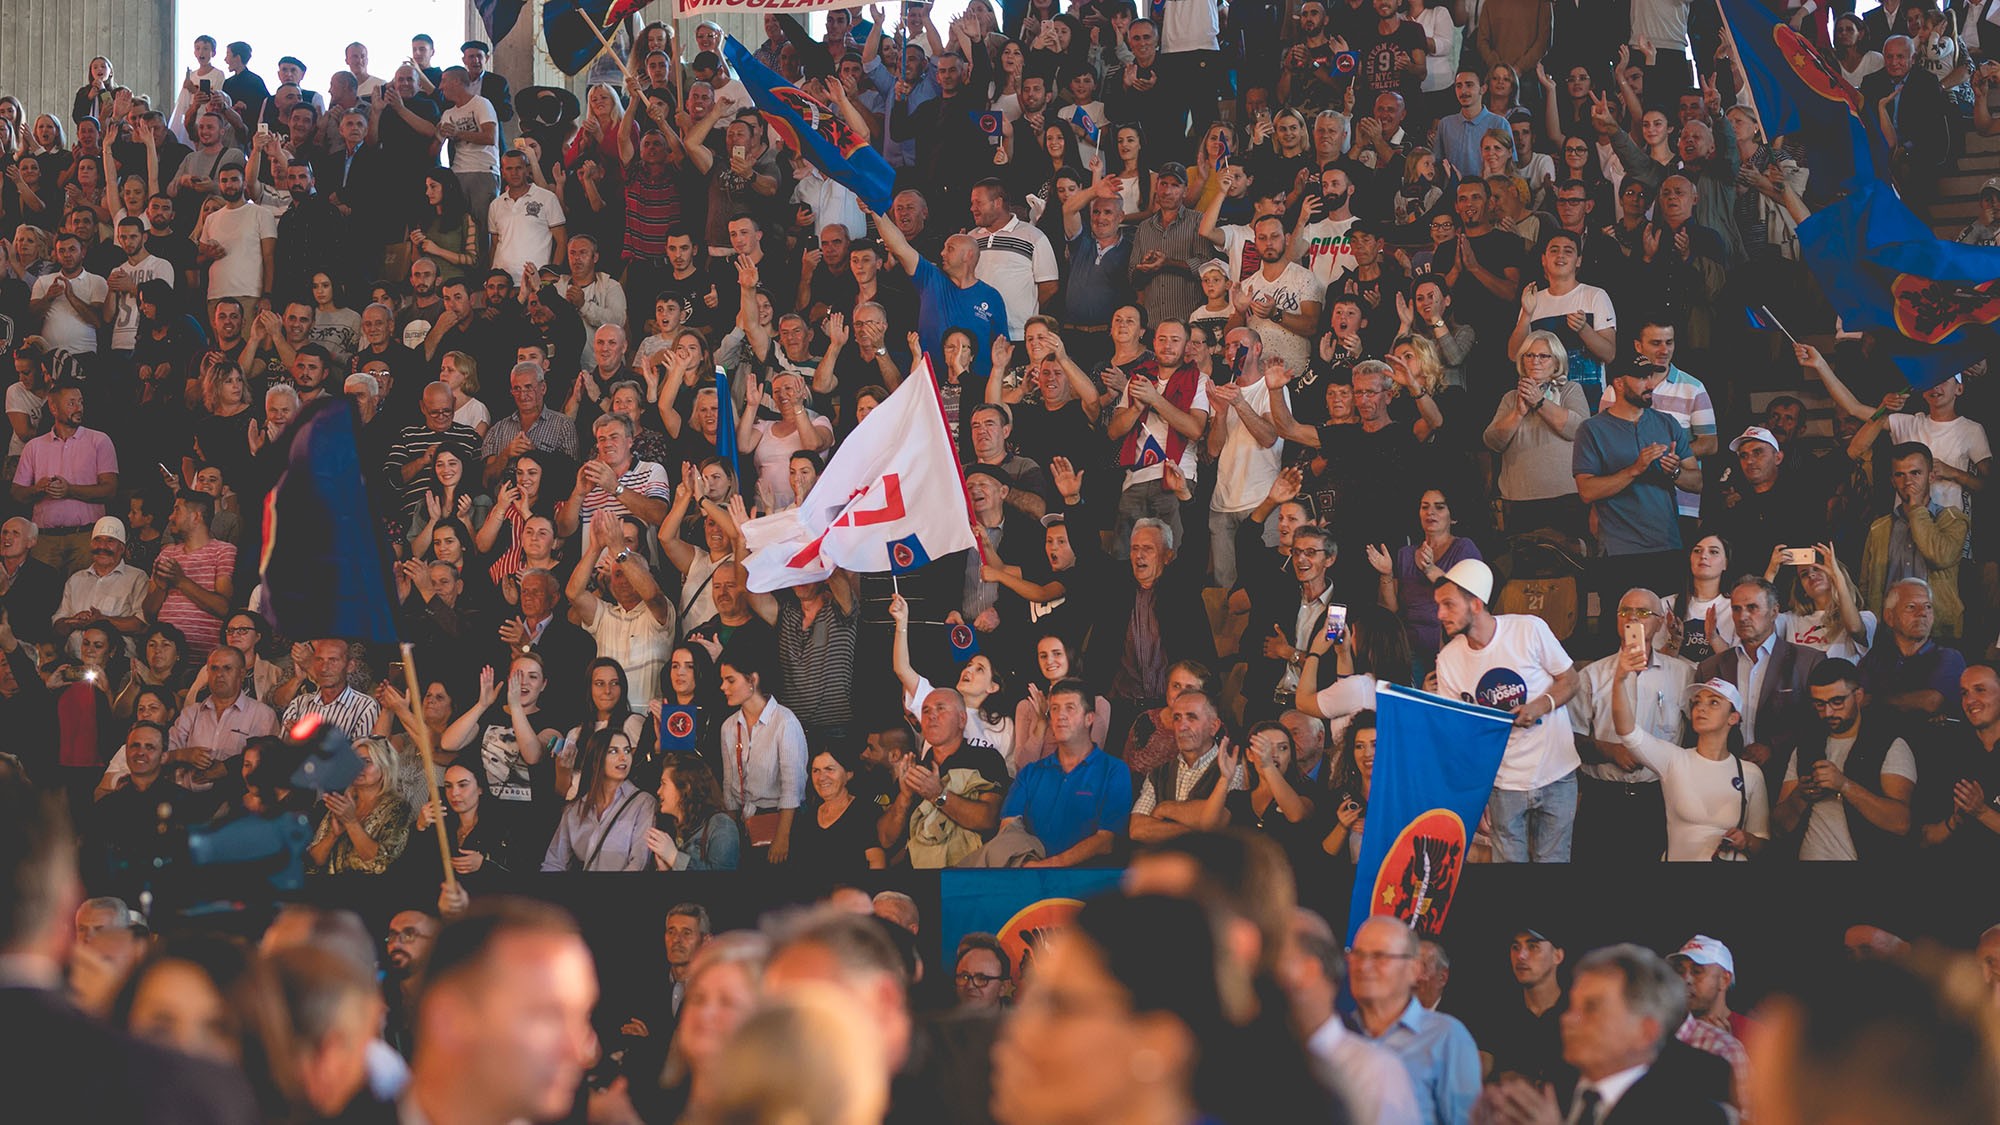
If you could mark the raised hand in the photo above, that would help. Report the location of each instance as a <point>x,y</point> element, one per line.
<point>1380,558</point>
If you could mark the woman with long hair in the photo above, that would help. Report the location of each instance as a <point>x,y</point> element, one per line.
<point>763,756</point>
<point>93,98</point>
<point>603,827</point>
<point>1824,611</point>
<point>596,133</point>
<point>1503,89</point>
<point>1699,624</point>
<point>1278,801</point>
<point>1427,312</point>
<point>453,499</point>
<point>444,230</point>
<point>1717,808</point>
<point>179,998</point>
<point>1011,65</point>
<point>520,499</point>
<point>367,825</point>
<point>1353,777</point>
<point>1218,143</point>
<point>980,684</point>
<point>1127,160</point>
<point>221,431</point>
<point>689,684</point>
<point>479,842</point>
<point>1338,680</point>
<point>1135,1012</point>
<point>87,189</point>
<point>693,831</point>
<point>27,399</point>
<point>607,705</point>
<point>807,1056</point>
<point>1056,659</point>
<point>335,327</point>
<point>1534,432</point>
<point>397,721</point>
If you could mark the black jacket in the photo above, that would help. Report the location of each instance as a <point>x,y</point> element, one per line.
<point>63,1066</point>
<point>1183,619</point>
<point>1664,1096</point>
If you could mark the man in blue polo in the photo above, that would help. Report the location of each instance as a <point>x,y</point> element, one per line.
<point>1066,809</point>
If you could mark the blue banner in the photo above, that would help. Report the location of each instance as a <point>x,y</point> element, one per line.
<point>567,24</point>
<point>725,425</point>
<point>815,130</point>
<point>1801,94</point>
<point>499,16</point>
<point>1435,760</point>
<point>1932,303</point>
<point>1020,907</point>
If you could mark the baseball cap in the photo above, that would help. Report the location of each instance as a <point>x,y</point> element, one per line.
<point>1052,519</point>
<point>1472,576</point>
<point>1213,265</point>
<point>1992,185</point>
<point>1755,433</point>
<point>1633,366</point>
<point>1705,950</point>
<point>1374,228</point>
<point>1537,934</point>
<point>1173,170</point>
<point>108,527</point>
<point>1720,687</point>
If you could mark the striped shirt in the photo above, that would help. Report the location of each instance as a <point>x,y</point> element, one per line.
<point>644,477</point>
<point>1185,778</point>
<point>1683,398</point>
<point>203,566</point>
<point>351,711</point>
<point>1012,259</point>
<point>818,661</point>
<point>652,208</point>
<point>551,433</point>
<point>637,641</point>
<point>414,442</point>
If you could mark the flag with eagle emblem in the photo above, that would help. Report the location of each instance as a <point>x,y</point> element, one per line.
<point>815,130</point>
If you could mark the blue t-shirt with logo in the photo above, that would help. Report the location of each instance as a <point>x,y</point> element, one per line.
<point>942,306</point>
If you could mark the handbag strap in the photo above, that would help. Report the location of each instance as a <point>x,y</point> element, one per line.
<point>605,833</point>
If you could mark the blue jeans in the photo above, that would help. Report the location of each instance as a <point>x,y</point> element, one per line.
<point>1533,825</point>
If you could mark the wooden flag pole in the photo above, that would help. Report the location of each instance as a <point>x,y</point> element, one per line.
<point>422,735</point>
<point>604,46</point>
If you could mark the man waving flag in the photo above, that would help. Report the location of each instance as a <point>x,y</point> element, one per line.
<point>891,499</point>
<point>819,132</point>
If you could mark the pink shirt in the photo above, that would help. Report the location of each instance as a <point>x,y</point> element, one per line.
<point>79,460</point>
<point>202,566</point>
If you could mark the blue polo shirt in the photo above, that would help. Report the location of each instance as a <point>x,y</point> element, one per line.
<point>1062,809</point>
<point>942,306</point>
<point>1644,517</point>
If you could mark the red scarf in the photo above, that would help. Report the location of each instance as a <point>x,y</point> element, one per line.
<point>1179,390</point>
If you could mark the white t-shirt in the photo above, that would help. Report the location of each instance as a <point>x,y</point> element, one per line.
<point>1289,291</point>
<point>1694,619</point>
<point>473,413</point>
<point>1960,443</point>
<point>523,229</point>
<point>1013,259</point>
<point>125,330</point>
<point>1811,630</point>
<point>1439,64</point>
<point>1153,428</point>
<point>1086,149</point>
<point>1827,837</point>
<point>61,326</point>
<point>1521,662</point>
<point>1592,302</point>
<point>1245,470</point>
<point>21,400</point>
<point>467,154</point>
<point>241,230</point>
<point>1705,798</point>
<point>1189,25</point>
<point>1326,249</point>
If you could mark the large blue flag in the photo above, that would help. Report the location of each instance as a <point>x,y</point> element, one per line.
<point>1932,303</point>
<point>323,564</point>
<point>1802,95</point>
<point>1435,760</point>
<point>567,24</point>
<point>725,424</point>
<point>815,130</point>
<point>499,16</point>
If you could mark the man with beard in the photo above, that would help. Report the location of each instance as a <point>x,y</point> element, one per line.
<point>412,936</point>
<point>1628,460</point>
<point>239,244</point>
<point>311,235</point>
<point>425,306</point>
<point>1847,793</point>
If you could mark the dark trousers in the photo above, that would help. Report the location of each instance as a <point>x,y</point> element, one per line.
<point>1618,823</point>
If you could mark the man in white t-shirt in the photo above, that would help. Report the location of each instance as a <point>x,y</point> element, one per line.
<point>121,303</point>
<point>1014,257</point>
<point>1580,315</point>
<point>1161,415</point>
<point>1234,239</point>
<point>527,221</point>
<point>1281,300</point>
<point>1246,446</point>
<point>70,300</point>
<point>240,243</point>
<point>472,126</point>
<point>1322,244</point>
<point>1958,444</point>
<point>1849,795</point>
<point>1514,663</point>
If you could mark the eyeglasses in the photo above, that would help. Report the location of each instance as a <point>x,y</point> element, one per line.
<point>1550,357</point>
<point>1835,703</point>
<point>1366,957</point>
<point>976,980</point>
<point>239,630</point>
<point>1309,551</point>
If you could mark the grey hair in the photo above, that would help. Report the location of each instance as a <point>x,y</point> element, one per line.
<point>618,420</point>
<point>1165,529</point>
<point>115,905</point>
<point>1893,596</point>
<point>532,368</point>
<point>1412,944</point>
<point>382,305</point>
<point>1651,986</point>
<point>1556,349</point>
<point>1373,367</point>
<point>281,390</point>
<point>362,381</point>
<point>1436,952</point>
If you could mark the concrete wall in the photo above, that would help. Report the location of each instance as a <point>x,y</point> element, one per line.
<point>47,45</point>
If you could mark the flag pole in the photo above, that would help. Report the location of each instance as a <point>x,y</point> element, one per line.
<point>604,46</point>
<point>1768,315</point>
<point>422,736</point>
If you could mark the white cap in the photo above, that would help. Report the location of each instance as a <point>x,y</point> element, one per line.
<point>1705,950</point>
<point>1723,688</point>
<point>1756,433</point>
<point>1472,576</point>
<point>108,527</point>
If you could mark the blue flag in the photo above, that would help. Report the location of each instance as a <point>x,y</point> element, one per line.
<point>725,423</point>
<point>907,554</point>
<point>1801,94</point>
<point>499,17</point>
<point>1435,760</point>
<point>1931,302</point>
<point>323,566</point>
<point>964,642</point>
<point>677,728</point>
<point>815,130</point>
<point>1023,908</point>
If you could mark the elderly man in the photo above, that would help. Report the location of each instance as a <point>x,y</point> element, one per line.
<point>597,297</point>
<point>1311,969</point>
<point>1771,674</point>
<point>106,589</point>
<point>531,426</point>
<point>67,474</point>
<point>1434,1048</point>
<point>1760,503</point>
<point>331,696</point>
<point>951,297</point>
<point>948,797</point>
<point>212,732</point>
<point>1143,625</point>
<point>615,481</point>
<point>1621,813</point>
<point>410,464</point>
<point>1174,798</point>
<point>1908,670</point>
<point>30,589</point>
<point>615,598</point>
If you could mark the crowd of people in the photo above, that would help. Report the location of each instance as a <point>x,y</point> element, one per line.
<point>1321,346</point>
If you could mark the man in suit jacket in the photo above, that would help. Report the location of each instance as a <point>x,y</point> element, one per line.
<point>1176,628</point>
<point>60,1064</point>
<point>1779,712</point>
<point>1917,110</point>
<point>1625,1004</point>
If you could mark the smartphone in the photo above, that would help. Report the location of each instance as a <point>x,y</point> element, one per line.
<point>1336,624</point>
<point>1635,637</point>
<point>1801,556</point>
<point>263,128</point>
<point>738,152</point>
<point>206,89</point>
<point>394,675</point>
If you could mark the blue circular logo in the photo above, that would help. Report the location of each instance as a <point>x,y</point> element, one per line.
<point>1501,688</point>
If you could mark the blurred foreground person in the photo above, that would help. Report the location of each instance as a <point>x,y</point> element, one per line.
<point>806,1058</point>
<point>58,1064</point>
<point>1133,1014</point>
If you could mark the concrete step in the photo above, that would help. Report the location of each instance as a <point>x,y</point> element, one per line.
<point>1978,144</point>
<point>1963,186</point>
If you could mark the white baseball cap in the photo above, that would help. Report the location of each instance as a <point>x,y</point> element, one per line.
<point>1472,576</point>
<point>108,527</point>
<point>1756,433</point>
<point>1723,688</point>
<point>1705,950</point>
